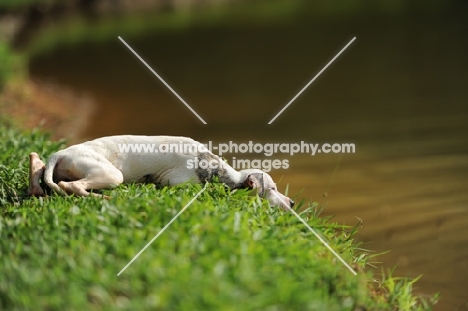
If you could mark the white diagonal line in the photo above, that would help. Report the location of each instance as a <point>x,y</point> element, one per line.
<point>316,76</point>
<point>162,80</point>
<point>162,230</point>
<point>316,234</point>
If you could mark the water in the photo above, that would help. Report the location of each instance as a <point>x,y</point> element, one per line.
<point>399,93</point>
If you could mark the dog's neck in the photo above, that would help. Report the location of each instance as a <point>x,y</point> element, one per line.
<point>235,179</point>
<point>225,173</point>
<point>230,177</point>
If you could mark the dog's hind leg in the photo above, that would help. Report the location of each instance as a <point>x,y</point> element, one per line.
<point>36,170</point>
<point>100,177</point>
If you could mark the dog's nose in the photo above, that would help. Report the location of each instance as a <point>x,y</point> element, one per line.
<point>291,202</point>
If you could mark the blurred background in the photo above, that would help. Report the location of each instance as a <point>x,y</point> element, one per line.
<point>399,93</point>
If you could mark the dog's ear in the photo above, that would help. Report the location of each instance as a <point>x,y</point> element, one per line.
<point>255,181</point>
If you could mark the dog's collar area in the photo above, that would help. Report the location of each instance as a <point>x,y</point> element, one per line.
<point>262,184</point>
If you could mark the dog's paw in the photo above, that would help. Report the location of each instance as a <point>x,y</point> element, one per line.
<point>35,191</point>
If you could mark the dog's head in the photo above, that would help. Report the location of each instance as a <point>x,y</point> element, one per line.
<point>266,188</point>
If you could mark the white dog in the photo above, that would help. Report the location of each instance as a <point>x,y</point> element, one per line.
<point>102,164</point>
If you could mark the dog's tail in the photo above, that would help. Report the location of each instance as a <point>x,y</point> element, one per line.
<point>49,174</point>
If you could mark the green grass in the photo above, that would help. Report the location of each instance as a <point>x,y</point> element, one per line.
<point>227,251</point>
<point>12,65</point>
<point>15,4</point>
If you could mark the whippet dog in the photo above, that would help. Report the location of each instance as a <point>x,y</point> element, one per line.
<point>103,164</point>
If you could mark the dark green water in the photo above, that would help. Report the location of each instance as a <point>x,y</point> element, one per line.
<point>399,93</point>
